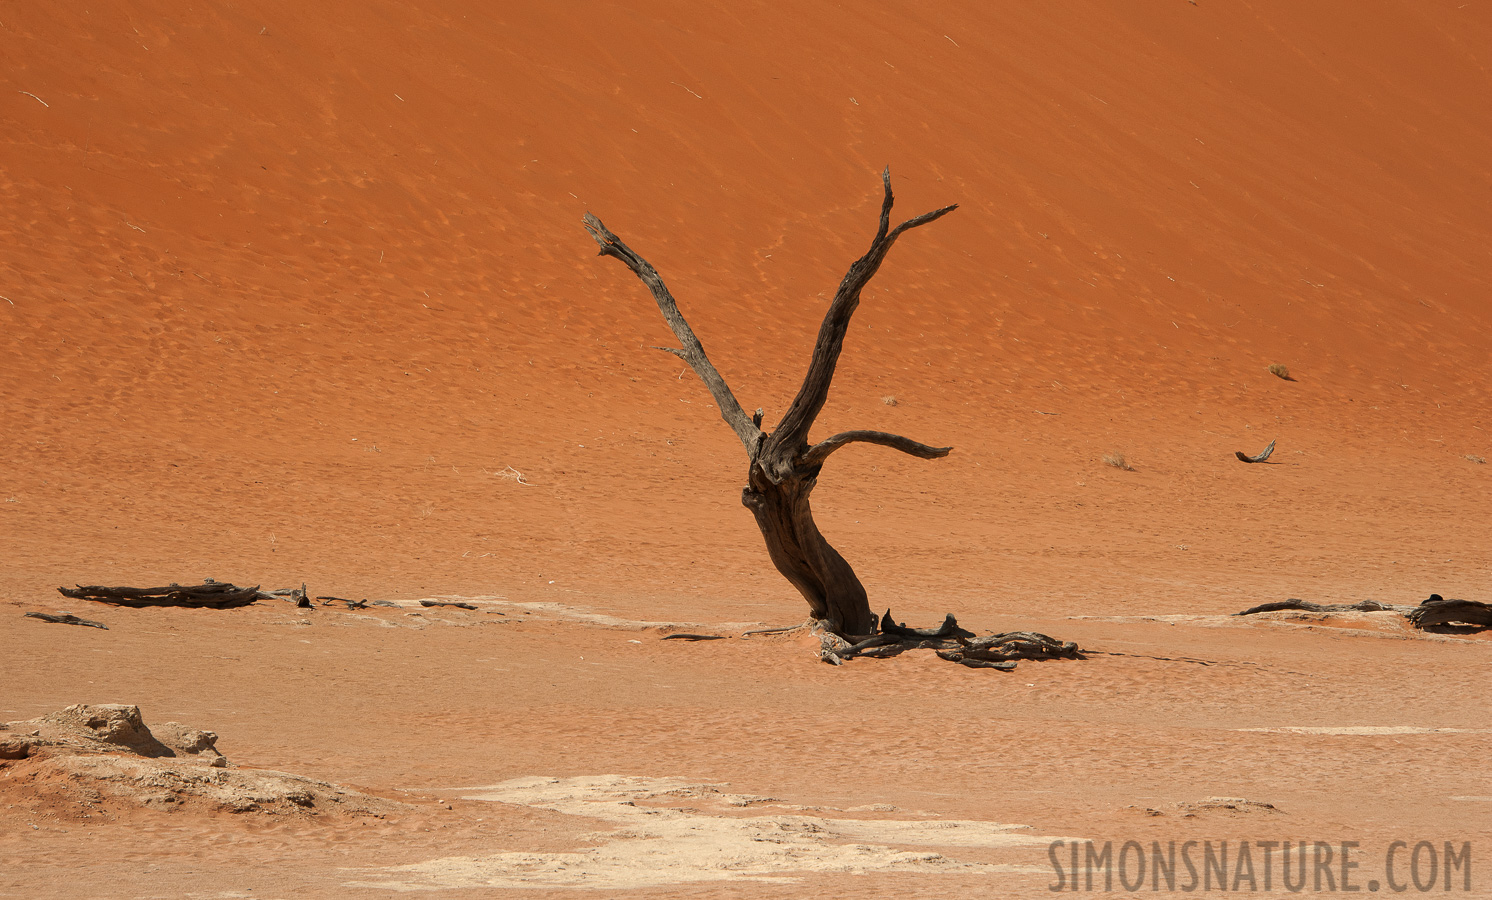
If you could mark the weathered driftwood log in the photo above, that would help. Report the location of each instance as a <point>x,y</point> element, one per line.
<point>298,596</point>
<point>455,603</point>
<point>1434,612</point>
<point>1437,610</point>
<point>1253,459</point>
<point>950,642</point>
<point>66,619</point>
<point>1308,606</point>
<point>351,604</point>
<point>211,595</point>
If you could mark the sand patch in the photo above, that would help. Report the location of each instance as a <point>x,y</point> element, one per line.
<point>1364,729</point>
<point>673,832</point>
<point>551,609</point>
<point>100,787</point>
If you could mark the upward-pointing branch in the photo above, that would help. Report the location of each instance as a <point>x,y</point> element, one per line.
<point>692,352</point>
<point>791,436</point>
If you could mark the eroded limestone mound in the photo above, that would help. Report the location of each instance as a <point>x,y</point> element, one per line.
<point>106,728</point>
<point>90,760</point>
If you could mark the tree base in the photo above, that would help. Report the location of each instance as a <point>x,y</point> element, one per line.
<point>949,641</point>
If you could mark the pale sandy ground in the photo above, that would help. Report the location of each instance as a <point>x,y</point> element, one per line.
<point>288,289</point>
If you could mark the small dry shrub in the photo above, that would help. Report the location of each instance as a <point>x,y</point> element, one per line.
<point>1116,459</point>
<point>1479,460</point>
<point>1281,370</point>
<point>889,400</point>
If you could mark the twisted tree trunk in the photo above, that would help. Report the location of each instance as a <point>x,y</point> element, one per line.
<point>784,466</point>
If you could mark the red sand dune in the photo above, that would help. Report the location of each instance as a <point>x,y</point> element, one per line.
<point>288,286</point>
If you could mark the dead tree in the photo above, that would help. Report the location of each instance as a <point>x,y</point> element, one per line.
<point>784,466</point>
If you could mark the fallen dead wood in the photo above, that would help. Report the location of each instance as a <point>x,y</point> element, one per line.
<point>210,595</point>
<point>1308,606</point>
<point>949,628</point>
<point>1434,612</point>
<point>689,636</point>
<point>1254,459</point>
<point>66,619</point>
<point>1438,611</point>
<point>294,595</point>
<point>448,603</point>
<point>951,642</point>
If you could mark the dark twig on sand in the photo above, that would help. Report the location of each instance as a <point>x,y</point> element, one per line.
<point>448,603</point>
<point>1254,459</point>
<point>66,619</point>
<point>1308,606</point>
<point>210,595</point>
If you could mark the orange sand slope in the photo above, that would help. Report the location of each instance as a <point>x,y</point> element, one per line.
<point>299,292</point>
<point>287,285</point>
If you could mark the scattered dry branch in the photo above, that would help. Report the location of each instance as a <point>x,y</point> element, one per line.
<point>66,619</point>
<point>455,603</point>
<point>1435,612</point>
<point>1255,459</point>
<point>211,595</point>
<point>1308,606</point>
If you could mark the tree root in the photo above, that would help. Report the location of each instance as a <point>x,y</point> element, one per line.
<point>950,641</point>
<point>1308,606</point>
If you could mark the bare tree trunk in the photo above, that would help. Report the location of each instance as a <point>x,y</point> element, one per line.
<point>784,467</point>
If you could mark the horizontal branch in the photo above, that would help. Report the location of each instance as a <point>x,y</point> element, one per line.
<point>819,452</point>
<point>692,352</point>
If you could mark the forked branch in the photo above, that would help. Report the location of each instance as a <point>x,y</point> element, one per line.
<point>792,431</point>
<point>692,351</point>
<point>819,452</point>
